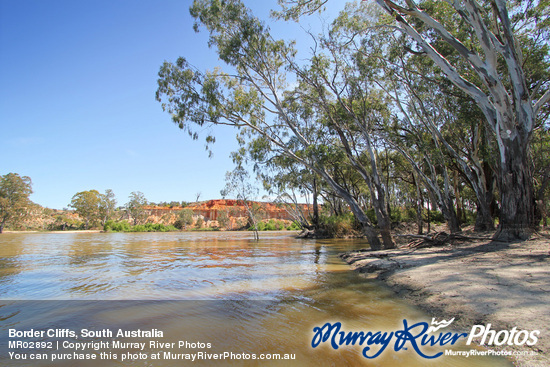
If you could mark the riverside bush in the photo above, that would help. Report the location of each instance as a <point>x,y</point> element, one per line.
<point>112,226</point>
<point>294,226</point>
<point>409,215</point>
<point>124,226</point>
<point>338,225</point>
<point>272,225</point>
<point>395,215</point>
<point>435,216</point>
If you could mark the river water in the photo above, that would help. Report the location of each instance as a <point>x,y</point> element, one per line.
<point>221,288</point>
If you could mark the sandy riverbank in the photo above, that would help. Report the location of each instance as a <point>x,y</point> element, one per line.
<point>477,282</point>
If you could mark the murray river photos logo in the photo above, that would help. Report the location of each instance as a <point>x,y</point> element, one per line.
<point>417,336</point>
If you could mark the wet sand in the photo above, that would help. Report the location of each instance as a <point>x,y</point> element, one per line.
<point>477,282</point>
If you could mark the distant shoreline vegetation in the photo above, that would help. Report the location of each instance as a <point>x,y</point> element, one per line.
<point>275,225</point>
<point>124,226</point>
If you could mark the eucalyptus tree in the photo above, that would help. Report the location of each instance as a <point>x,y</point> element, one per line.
<point>14,199</point>
<point>238,183</point>
<point>184,219</point>
<point>87,205</point>
<point>424,112</point>
<point>352,113</point>
<point>251,97</point>
<point>292,183</point>
<point>135,207</point>
<point>434,173</point>
<point>107,205</point>
<point>509,104</point>
<point>503,37</point>
<point>375,56</point>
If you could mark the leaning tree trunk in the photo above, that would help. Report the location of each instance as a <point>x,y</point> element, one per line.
<point>384,223</point>
<point>372,237</point>
<point>374,183</point>
<point>517,215</point>
<point>380,208</point>
<point>368,230</point>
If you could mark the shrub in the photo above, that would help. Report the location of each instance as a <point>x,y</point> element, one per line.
<point>294,226</point>
<point>124,226</point>
<point>395,215</point>
<point>185,218</point>
<point>260,226</point>
<point>199,222</point>
<point>371,215</point>
<point>270,226</point>
<point>409,215</point>
<point>469,217</point>
<point>338,226</point>
<point>435,216</point>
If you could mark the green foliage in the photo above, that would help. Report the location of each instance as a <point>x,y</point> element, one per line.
<point>124,226</point>
<point>469,217</point>
<point>294,226</point>
<point>435,216</point>
<point>207,229</point>
<point>153,227</point>
<point>107,205</point>
<point>395,215</point>
<point>371,215</point>
<point>87,205</point>
<point>338,225</point>
<point>135,207</point>
<point>223,218</point>
<point>94,207</point>
<point>273,225</point>
<point>185,218</point>
<point>199,223</point>
<point>14,199</point>
<point>65,222</point>
<point>260,226</point>
<point>408,215</point>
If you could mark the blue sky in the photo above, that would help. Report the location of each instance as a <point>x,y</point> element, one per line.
<point>77,100</point>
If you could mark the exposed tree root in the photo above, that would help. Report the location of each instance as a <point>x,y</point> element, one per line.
<point>437,239</point>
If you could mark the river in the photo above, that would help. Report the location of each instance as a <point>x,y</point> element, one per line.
<point>218,288</point>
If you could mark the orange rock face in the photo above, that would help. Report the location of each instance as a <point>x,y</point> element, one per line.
<point>210,210</point>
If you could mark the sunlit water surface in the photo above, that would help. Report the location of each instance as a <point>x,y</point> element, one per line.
<point>218,287</point>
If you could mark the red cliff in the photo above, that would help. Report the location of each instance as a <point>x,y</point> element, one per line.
<point>210,210</point>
